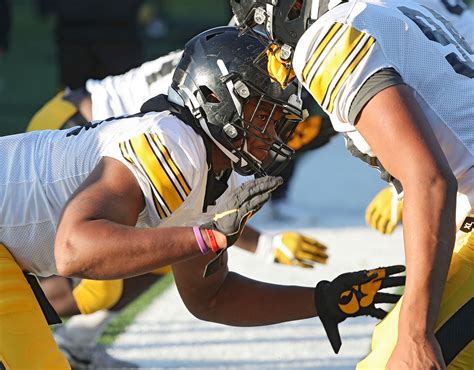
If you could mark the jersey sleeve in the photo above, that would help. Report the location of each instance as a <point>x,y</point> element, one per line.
<point>168,161</point>
<point>124,94</point>
<point>333,61</point>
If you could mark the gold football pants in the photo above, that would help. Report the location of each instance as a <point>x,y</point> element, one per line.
<point>453,330</point>
<point>26,342</point>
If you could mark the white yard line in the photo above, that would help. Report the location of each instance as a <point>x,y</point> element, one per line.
<point>167,336</point>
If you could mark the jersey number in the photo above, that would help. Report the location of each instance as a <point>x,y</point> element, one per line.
<point>439,30</point>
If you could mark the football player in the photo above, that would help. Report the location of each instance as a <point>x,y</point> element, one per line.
<point>124,94</point>
<point>159,188</point>
<point>384,212</point>
<point>397,80</point>
<point>121,95</point>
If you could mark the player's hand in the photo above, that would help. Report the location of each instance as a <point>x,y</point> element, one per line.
<point>384,212</point>
<point>416,353</point>
<point>295,249</point>
<point>247,199</point>
<point>355,294</point>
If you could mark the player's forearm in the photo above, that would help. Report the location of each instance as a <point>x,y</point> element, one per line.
<point>429,229</point>
<point>257,303</point>
<point>102,249</point>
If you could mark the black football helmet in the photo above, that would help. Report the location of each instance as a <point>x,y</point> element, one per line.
<point>283,21</point>
<point>215,78</point>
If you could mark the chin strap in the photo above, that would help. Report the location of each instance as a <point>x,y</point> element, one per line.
<point>194,105</point>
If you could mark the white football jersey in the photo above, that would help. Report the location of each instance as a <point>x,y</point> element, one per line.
<point>124,94</point>
<point>40,170</point>
<point>354,40</point>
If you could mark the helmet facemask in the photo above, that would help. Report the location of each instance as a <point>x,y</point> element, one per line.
<point>259,122</point>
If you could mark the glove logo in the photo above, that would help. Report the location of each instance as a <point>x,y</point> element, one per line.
<point>361,295</point>
<point>352,305</point>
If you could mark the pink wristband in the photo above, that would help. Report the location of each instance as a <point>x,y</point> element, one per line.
<point>200,240</point>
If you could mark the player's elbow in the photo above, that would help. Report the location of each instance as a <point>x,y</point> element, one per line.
<point>200,308</point>
<point>203,306</point>
<point>446,183</point>
<point>68,257</point>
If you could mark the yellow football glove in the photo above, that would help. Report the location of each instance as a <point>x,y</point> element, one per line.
<point>384,212</point>
<point>292,248</point>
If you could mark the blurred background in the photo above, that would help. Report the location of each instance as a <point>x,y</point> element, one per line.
<point>41,30</point>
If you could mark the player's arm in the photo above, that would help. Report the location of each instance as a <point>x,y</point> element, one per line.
<point>229,298</point>
<point>96,237</point>
<point>400,136</point>
<point>124,94</point>
<point>232,299</point>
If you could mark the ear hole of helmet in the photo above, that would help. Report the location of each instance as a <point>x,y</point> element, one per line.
<point>209,95</point>
<point>295,10</point>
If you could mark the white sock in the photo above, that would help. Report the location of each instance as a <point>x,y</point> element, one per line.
<point>85,330</point>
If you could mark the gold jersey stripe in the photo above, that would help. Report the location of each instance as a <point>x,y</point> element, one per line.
<point>360,55</point>
<point>350,41</point>
<point>179,175</point>
<point>156,173</point>
<point>322,45</point>
<point>336,57</point>
<point>159,208</point>
<point>128,158</point>
<point>125,154</point>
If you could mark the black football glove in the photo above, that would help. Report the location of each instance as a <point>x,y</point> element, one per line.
<point>231,216</point>
<point>355,294</point>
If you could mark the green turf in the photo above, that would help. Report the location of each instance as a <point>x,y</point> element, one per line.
<point>129,313</point>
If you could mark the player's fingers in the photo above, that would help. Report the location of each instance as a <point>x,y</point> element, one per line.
<point>389,228</point>
<point>253,188</point>
<point>377,313</point>
<point>385,226</point>
<point>381,223</point>
<point>394,269</point>
<point>360,277</point>
<point>386,298</point>
<point>313,242</point>
<point>305,264</point>
<point>313,249</point>
<point>393,281</point>
<point>312,257</point>
<point>369,215</point>
<point>255,203</point>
